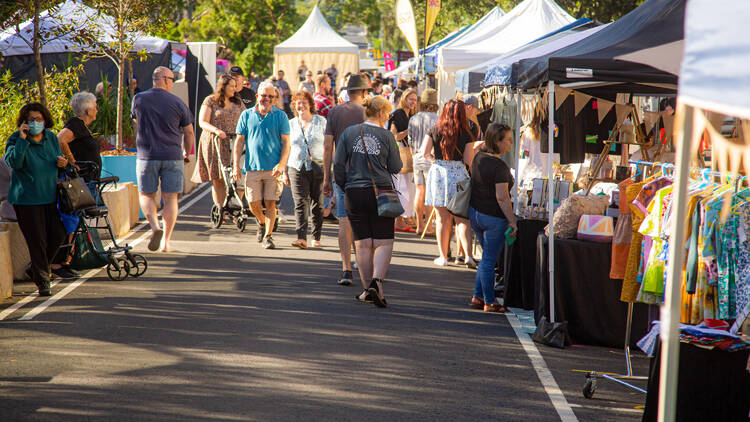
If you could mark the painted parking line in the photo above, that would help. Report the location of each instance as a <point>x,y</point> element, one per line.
<point>556,396</point>
<point>193,199</point>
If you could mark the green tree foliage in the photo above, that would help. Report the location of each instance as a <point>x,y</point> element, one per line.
<point>247,30</point>
<point>60,86</point>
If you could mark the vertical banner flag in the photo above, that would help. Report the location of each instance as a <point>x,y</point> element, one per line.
<point>407,24</point>
<point>433,7</point>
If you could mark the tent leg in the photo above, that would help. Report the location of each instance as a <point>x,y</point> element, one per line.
<point>670,311</point>
<point>516,151</point>
<point>551,197</point>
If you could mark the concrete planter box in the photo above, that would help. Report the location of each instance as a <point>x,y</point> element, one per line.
<point>118,202</point>
<point>19,252</point>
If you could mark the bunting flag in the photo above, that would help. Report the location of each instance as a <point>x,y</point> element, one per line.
<point>433,7</point>
<point>561,94</point>
<point>603,108</point>
<point>668,120</point>
<point>649,119</point>
<point>406,23</point>
<point>581,101</point>
<point>622,111</point>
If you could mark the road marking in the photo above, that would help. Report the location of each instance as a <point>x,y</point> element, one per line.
<point>198,195</point>
<point>556,396</point>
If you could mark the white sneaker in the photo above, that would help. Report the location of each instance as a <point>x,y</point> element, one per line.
<point>440,261</point>
<point>354,265</point>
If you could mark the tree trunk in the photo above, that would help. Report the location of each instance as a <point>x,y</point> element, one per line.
<point>41,83</point>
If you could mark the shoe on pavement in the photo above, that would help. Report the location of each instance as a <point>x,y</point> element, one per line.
<point>470,263</point>
<point>354,265</point>
<point>476,303</point>
<point>268,243</point>
<point>63,273</point>
<point>45,289</point>
<point>155,241</point>
<point>261,232</point>
<point>495,308</point>
<point>346,278</point>
<point>440,261</point>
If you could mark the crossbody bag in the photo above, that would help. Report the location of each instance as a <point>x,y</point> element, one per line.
<point>388,203</point>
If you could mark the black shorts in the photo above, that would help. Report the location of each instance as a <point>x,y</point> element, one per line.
<point>362,209</point>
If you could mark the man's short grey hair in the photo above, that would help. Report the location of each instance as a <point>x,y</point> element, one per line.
<point>81,102</point>
<point>266,84</point>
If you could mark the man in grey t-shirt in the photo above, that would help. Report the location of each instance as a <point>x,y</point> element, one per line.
<point>339,118</point>
<point>419,125</point>
<point>165,139</point>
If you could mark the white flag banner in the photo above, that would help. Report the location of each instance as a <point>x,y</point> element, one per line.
<point>407,24</point>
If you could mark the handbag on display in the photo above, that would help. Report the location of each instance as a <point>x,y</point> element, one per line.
<point>553,334</point>
<point>596,228</point>
<point>407,159</point>
<point>388,203</point>
<point>73,193</point>
<point>459,204</point>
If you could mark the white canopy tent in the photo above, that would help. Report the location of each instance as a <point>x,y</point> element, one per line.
<point>71,14</point>
<point>715,79</point>
<point>528,21</point>
<point>498,68</point>
<point>319,46</point>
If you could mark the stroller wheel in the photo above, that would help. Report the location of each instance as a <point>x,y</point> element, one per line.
<point>217,216</point>
<point>118,270</point>
<point>138,265</point>
<point>241,223</point>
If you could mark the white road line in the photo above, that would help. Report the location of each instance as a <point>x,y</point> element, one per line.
<point>62,293</point>
<point>556,396</point>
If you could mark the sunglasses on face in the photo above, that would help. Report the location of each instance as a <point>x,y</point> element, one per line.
<point>171,78</point>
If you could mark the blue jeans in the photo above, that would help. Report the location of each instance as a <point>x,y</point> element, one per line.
<point>490,232</point>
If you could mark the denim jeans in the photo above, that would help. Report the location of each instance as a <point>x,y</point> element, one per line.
<point>490,232</point>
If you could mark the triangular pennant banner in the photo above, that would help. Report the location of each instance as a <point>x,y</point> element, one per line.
<point>581,101</point>
<point>561,94</point>
<point>622,111</point>
<point>668,120</point>
<point>649,119</point>
<point>603,108</point>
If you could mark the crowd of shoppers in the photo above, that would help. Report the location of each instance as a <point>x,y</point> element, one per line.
<point>342,147</point>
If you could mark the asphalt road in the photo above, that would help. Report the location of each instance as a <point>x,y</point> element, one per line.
<point>222,330</point>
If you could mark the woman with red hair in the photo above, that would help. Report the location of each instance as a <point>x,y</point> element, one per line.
<point>450,144</point>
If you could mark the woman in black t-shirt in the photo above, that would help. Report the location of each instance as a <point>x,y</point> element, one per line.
<point>398,124</point>
<point>491,211</point>
<point>450,144</point>
<point>76,141</point>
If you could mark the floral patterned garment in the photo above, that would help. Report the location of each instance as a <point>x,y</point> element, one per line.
<point>742,257</point>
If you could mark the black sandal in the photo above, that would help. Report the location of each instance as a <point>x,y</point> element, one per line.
<point>368,297</point>
<point>375,293</point>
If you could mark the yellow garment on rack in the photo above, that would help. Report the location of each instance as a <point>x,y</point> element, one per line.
<point>620,249</point>
<point>653,277</point>
<point>686,299</point>
<point>630,285</point>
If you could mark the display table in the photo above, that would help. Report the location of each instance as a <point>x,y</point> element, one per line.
<point>585,296</point>
<point>521,265</point>
<point>713,385</point>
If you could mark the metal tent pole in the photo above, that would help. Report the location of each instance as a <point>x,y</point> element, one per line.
<point>516,150</point>
<point>551,196</point>
<point>670,311</point>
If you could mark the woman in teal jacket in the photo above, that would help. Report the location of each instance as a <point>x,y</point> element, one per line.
<point>33,153</point>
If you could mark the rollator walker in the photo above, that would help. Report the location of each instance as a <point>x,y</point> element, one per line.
<point>234,206</point>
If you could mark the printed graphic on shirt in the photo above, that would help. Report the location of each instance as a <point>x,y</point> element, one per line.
<point>372,144</point>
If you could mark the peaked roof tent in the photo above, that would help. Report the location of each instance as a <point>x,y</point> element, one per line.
<point>527,22</point>
<point>603,57</point>
<point>77,15</point>
<point>316,35</point>
<point>497,71</point>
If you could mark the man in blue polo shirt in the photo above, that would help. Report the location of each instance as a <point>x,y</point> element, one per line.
<point>263,132</point>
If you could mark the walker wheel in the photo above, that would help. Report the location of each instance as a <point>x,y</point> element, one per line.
<point>217,216</point>
<point>118,270</point>
<point>138,265</point>
<point>589,388</point>
<point>241,223</point>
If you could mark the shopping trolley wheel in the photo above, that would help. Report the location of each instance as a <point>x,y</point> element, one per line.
<point>241,223</point>
<point>138,265</point>
<point>217,216</point>
<point>119,271</point>
<point>589,388</point>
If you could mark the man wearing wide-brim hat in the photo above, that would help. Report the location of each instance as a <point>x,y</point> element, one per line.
<point>419,125</point>
<point>339,118</point>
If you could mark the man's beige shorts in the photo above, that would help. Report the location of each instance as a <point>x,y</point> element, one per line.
<point>261,185</point>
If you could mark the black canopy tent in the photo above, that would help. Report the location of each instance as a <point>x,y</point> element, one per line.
<point>602,56</point>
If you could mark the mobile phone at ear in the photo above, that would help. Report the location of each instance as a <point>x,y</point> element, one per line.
<point>26,132</point>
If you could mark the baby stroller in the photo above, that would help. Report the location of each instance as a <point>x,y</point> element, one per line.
<point>234,205</point>
<point>94,243</point>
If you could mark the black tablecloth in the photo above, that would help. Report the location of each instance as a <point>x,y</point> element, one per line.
<point>521,265</point>
<point>585,296</point>
<point>713,386</point>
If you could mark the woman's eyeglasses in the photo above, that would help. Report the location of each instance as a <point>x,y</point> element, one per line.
<point>267,96</point>
<point>34,119</point>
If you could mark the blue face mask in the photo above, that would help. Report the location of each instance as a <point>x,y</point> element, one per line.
<point>35,128</point>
